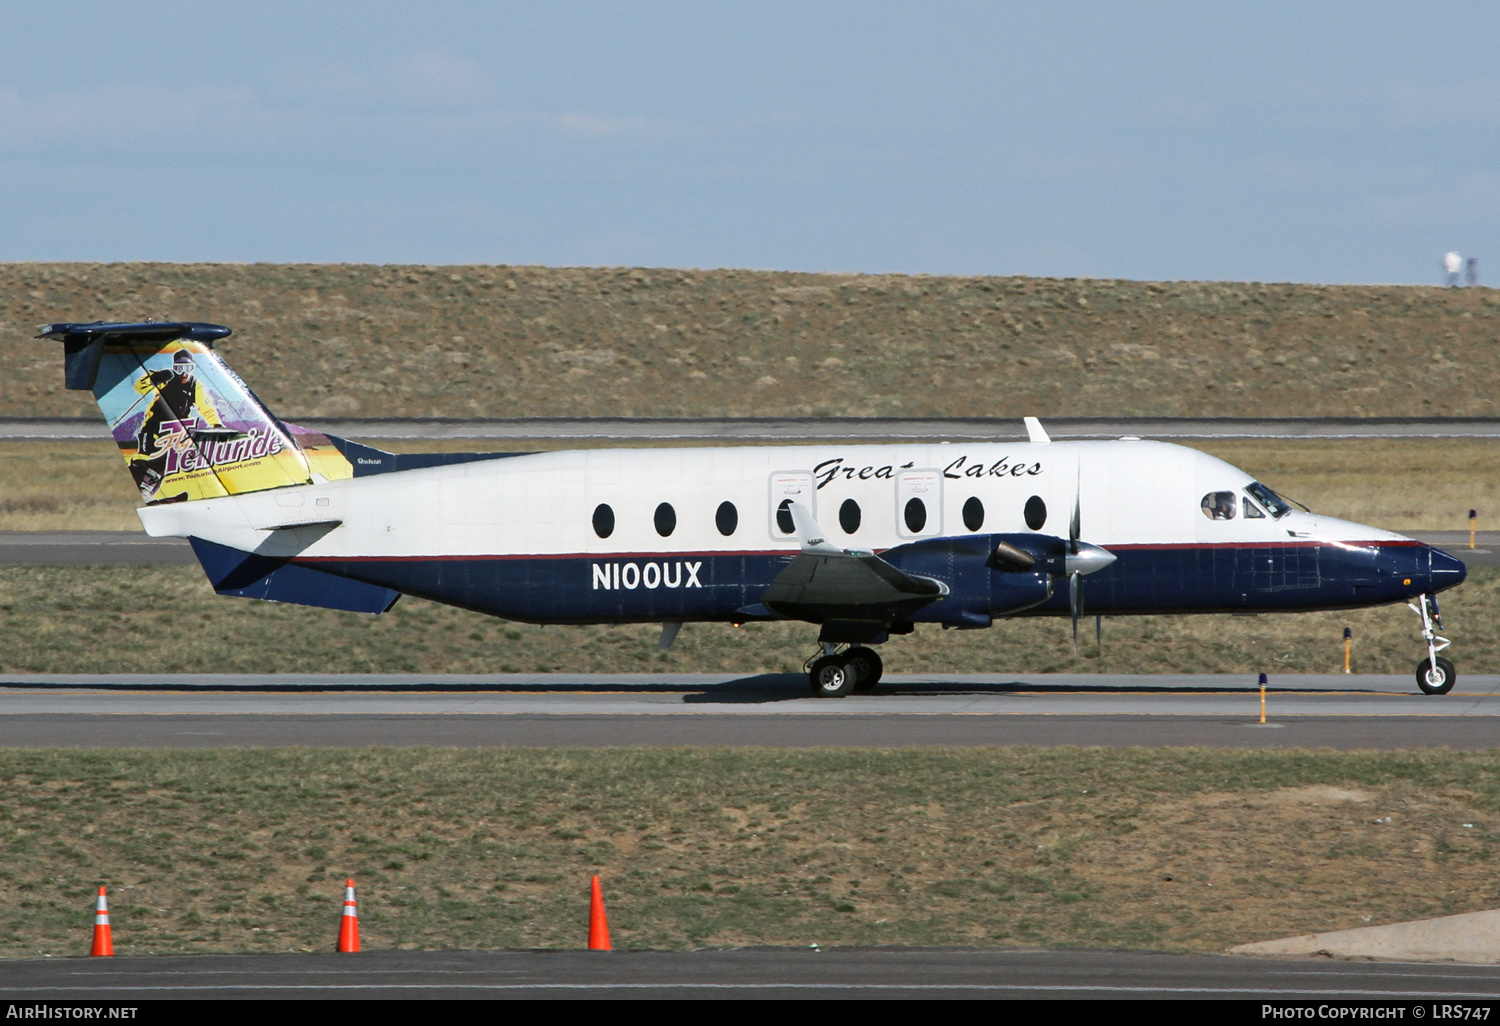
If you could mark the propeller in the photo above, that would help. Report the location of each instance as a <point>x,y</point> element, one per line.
<point>1075,575</point>
<point>1075,524</point>
<point>1075,603</point>
<point>1082,558</point>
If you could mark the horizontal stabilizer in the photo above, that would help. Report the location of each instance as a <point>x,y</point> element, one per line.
<point>247,575</point>
<point>326,525</point>
<point>83,344</point>
<point>141,331</point>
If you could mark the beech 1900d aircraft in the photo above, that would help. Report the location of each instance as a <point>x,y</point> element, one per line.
<point>864,541</point>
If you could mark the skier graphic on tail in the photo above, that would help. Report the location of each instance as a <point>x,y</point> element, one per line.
<point>181,406</point>
<point>185,423</point>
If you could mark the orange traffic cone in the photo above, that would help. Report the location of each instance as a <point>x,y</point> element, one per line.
<point>349,924</point>
<point>103,943</point>
<point>598,925</point>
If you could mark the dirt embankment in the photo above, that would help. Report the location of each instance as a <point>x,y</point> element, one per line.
<point>495,341</point>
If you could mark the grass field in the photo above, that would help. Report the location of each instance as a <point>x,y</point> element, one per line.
<point>1402,485</point>
<point>1187,850</point>
<point>168,620</point>
<point>394,341</point>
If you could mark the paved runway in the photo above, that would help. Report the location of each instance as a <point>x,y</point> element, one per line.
<point>802,429</point>
<point>1334,711</point>
<point>356,730</point>
<point>746,973</point>
<point>92,548</point>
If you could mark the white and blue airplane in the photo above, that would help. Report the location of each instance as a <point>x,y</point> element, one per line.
<point>863,541</point>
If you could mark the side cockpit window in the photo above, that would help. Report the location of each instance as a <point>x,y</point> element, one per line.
<point>1269,500</point>
<point>1220,505</point>
<point>1252,511</point>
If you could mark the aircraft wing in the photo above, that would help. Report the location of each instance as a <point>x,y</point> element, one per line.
<point>824,581</point>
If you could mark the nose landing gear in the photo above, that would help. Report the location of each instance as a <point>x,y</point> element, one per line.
<point>1435,675</point>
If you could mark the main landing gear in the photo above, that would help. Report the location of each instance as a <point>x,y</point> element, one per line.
<point>833,674</point>
<point>1435,675</point>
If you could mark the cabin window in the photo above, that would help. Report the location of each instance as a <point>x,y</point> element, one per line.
<point>784,518</point>
<point>973,513</point>
<point>916,515</point>
<point>849,516</point>
<point>726,518</point>
<point>604,520</point>
<point>1252,511</point>
<point>1219,505</point>
<point>1035,513</point>
<point>665,519</point>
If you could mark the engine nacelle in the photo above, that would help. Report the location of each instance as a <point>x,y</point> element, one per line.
<point>980,585</point>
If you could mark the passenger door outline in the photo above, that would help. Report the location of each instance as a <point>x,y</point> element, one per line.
<point>926,485</point>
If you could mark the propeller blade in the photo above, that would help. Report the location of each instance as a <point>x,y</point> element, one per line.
<point>1075,601</point>
<point>1099,633</point>
<point>1075,526</point>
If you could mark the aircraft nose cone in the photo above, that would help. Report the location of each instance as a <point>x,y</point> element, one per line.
<point>1447,570</point>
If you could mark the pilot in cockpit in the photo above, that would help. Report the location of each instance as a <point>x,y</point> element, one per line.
<point>1219,505</point>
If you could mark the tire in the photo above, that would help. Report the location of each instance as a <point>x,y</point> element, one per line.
<point>867,667</point>
<point>831,677</point>
<point>1438,682</point>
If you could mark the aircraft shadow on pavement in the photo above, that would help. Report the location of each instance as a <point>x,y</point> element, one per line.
<point>782,687</point>
<point>754,689</point>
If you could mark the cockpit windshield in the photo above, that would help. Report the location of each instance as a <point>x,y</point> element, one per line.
<point>1274,504</point>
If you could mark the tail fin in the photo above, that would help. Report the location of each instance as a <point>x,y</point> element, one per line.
<point>187,426</point>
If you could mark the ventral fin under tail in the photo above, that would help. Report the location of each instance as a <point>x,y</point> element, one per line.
<point>248,575</point>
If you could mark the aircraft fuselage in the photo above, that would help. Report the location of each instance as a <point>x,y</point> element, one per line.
<point>693,534</point>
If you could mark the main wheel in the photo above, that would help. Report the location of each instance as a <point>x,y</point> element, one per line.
<point>831,677</point>
<point>867,667</point>
<point>1437,680</point>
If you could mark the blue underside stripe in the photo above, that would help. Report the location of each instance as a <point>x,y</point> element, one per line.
<point>713,586</point>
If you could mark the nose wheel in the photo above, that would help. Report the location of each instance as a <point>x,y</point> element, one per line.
<point>1435,675</point>
<point>1436,678</point>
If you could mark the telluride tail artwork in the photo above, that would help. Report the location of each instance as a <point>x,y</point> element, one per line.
<point>860,541</point>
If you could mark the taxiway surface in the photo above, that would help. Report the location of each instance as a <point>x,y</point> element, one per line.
<point>1337,711</point>
<point>744,973</point>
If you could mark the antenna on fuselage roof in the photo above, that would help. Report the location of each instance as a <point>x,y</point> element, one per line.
<point>1034,430</point>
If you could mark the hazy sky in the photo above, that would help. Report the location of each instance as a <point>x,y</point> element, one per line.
<point>1276,142</point>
